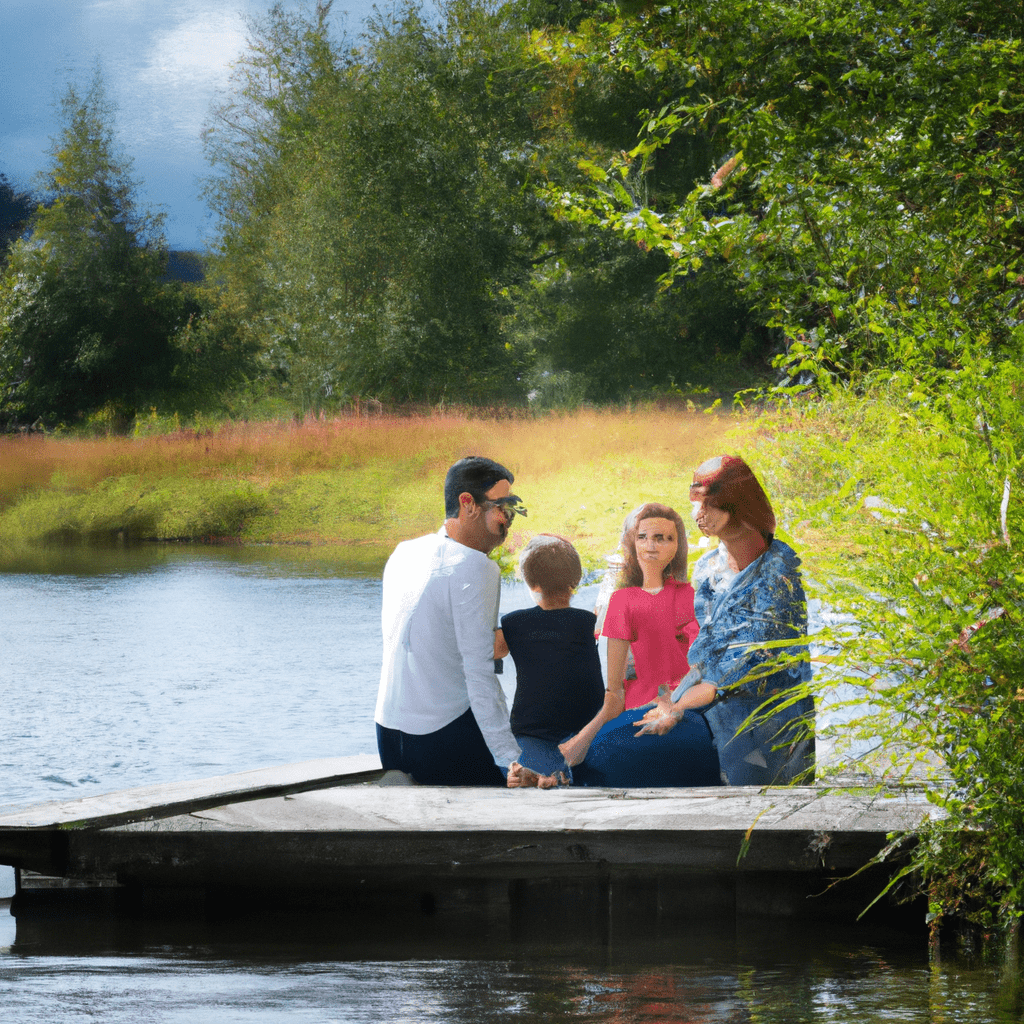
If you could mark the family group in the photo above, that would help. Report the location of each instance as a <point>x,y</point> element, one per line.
<point>705,679</point>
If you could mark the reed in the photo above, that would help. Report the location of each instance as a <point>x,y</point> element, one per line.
<point>349,481</point>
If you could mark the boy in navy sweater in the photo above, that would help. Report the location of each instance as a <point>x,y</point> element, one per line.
<point>559,687</point>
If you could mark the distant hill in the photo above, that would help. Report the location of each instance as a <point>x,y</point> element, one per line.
<point>185,266</point>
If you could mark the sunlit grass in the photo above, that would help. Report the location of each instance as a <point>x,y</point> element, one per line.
<point>350,481</point>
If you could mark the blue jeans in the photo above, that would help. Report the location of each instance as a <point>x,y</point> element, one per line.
<point>684,756</point>
<point>542,756</point>
<point>768,753</point>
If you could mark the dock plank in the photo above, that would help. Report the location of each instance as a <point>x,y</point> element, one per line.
<point>289,830</point>
<point>166,799</point>
<point>350,835</point>
<point>442,809</point>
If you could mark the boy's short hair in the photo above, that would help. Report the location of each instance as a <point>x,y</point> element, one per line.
<point>550,563</point>
<point>473,475</point>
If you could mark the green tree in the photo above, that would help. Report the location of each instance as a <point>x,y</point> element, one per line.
<point>599,306</point>
<point>872,209</point>
<point>252,142</point>
<point>598,311</point>
<point>387,225</point>
<point>375,206</point>
<point>85,321</point>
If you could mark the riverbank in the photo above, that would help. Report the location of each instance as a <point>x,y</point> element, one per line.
<point>354,486</point>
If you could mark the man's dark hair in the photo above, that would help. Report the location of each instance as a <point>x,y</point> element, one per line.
<point>476,476</point>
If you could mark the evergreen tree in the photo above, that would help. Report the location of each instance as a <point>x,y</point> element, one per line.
<point>85,320</point>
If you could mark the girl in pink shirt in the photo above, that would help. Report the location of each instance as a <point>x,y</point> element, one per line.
<point>652,609</point>
<point>652,613</point>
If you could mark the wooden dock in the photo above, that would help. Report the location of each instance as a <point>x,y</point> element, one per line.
<point>329,833</point>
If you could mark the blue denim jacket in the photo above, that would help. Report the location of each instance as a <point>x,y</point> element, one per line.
<point>737,614</point>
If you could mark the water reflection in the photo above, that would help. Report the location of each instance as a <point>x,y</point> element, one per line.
<point>323,968</point>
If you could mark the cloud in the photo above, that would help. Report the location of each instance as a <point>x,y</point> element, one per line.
<point>195,54</point>
<point>180,67</point>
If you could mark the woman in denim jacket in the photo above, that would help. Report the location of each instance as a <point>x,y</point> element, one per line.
<point>749,665</point>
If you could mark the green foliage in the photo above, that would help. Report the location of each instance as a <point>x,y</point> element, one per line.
<point>85,321</point>
<point>565,391</point>
<point>600,307</point>
<point>869,183</point>
<point>384,231</point>
<point>600,313</point>
<point>910,498</point>
<point>374,206</point>
<point>212,358</point>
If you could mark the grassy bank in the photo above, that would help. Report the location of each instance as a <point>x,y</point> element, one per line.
<point>348,483</point>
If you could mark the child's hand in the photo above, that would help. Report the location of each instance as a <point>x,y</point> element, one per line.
<point>574,749</point>
<point>500,646</point>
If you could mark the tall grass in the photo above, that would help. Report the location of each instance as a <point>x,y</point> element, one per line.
<point>367,481</point>
<point>912,525</point>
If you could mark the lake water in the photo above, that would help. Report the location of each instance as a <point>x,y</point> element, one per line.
<point>128,668</point>
<point>170,663</point>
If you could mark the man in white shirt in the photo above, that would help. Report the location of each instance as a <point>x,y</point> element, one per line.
<point>441,714</point>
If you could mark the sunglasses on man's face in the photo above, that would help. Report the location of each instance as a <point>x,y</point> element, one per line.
<point>511,506</point>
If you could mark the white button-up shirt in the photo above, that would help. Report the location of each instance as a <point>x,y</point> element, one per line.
<point>440,609</point>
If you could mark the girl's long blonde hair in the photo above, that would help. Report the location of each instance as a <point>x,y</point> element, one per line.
<point>632,575</point>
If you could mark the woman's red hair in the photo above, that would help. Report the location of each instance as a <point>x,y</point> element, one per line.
<point>728,483</point>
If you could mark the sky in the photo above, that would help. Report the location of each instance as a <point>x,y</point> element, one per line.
<point>163,62</point>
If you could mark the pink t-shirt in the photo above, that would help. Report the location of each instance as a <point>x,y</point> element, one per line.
<point>660,628</point>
